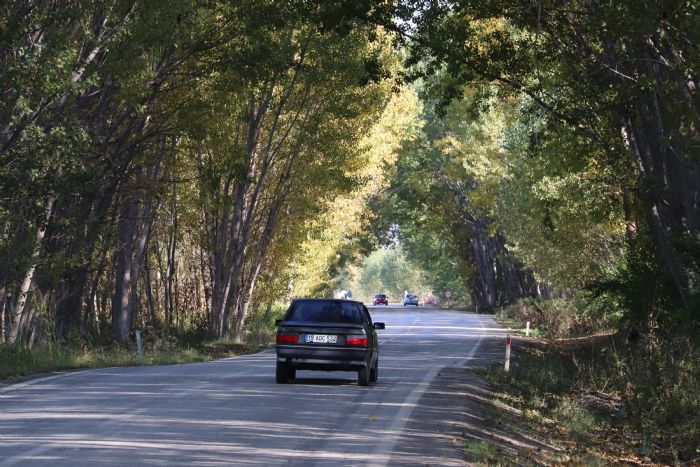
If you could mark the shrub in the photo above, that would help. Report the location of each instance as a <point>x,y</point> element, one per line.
<point>660,383</point>
<point>260,326</point>
<point>646,390</point>
<point>559,317</point>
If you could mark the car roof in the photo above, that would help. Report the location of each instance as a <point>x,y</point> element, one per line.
<point>324,300</point>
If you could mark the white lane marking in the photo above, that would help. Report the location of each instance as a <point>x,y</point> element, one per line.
<point>383,451</point>
<point>461,328</point>
<point>31,382</point>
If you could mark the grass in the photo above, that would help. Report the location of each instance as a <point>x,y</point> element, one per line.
<point>486,452</point>
<point>19,361</point>
<point>161,347</point>
<point>540,388</point>
<point>586,399</point>
<point>518,328</point>
<point>576,418</point>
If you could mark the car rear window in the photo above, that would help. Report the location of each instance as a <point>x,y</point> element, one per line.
<point>321,311</point>
<point>380,295</point>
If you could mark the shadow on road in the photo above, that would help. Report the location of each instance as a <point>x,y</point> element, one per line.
<point>231,411</point>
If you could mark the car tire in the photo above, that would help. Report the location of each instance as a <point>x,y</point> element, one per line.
<point>363,376</point>
<point>283,373</point>
<point>374,373</point>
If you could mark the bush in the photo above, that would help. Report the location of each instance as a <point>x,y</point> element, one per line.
<point>260,326</point>
<point>660,383</point>
<point>644,391</point>
<point>18,360</point>
<point>558,317</point>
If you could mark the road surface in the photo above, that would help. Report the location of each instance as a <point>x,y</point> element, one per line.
<point>231,412</point>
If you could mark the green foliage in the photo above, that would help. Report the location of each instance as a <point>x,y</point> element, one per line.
<point>18,360</point>
<point>642,392</point>
<point>486,453</point>
<point>581,315</point>
<point>560,205</point>
<point>260,326</point>
<point>437,255</point>
<point>388,270</point>
<point>660,383</point>
<point>593,165</point>
<point>153,105</point>
<point>575,418</point>
<point>422,205</point>
<point>340,231</point>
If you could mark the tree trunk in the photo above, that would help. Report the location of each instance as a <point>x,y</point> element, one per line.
<point>149,293</point>
<point>497,276</point>
<point>18,305</point>
<point>2,315</point>
<point>484,264</point>
<point>671,212</point>
<point>74,280</point>
<point>121,310</point>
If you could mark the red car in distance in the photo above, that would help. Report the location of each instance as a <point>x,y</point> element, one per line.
<point>380,299</point>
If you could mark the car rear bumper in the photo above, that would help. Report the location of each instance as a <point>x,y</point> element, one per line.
<point>318,357</point>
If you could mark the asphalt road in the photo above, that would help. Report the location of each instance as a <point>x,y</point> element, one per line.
<point>231,412</point>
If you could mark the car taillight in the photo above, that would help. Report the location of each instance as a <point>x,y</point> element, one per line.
<point>360,341</point>
<point>287,338</point>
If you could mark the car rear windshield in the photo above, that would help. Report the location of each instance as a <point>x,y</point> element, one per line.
<point>322,311</point>
<point>380,295</point>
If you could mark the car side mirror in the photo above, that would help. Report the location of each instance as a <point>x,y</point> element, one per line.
<point>277,322</point>
<point>379,326</point>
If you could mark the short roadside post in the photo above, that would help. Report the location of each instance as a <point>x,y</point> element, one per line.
<point>527,330</point>
<point>507,365</point>
<point>139,347</point>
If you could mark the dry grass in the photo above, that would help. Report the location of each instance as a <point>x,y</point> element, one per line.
<point>586,397</point>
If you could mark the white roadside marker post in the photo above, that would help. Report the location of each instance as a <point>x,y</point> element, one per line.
<point>507,365</point>
<point>139,347</point>
<point>527,330</point>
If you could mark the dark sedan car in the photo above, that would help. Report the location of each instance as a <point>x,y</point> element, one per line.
<point>327,335</point>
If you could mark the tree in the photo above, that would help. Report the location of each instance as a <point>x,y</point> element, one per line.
<point>388,270</point>
<point>624,75</point>
<point>446,182</point>
<point>154,153</point>
<point>336,238</point>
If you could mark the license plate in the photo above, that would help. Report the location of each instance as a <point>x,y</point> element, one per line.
<point>320,338</point>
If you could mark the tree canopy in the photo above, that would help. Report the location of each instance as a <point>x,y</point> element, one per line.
<point>181,164</point>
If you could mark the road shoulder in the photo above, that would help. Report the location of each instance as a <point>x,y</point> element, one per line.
<point>456,411</point>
